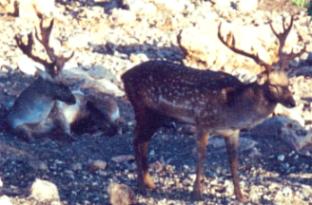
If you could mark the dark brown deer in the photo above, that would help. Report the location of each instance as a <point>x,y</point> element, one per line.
<point>215,103</point>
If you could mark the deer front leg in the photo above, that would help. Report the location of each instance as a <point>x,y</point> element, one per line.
<point>24,132</point>
<point>141,149</point>
<point>232,145</point>
<point>202,142</point>
<point>147,122</point>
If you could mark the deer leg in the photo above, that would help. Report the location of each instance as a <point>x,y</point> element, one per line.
<point>232,145</point>
<point>147,124</point>
<point>24,132</point>
<point>202,142</point>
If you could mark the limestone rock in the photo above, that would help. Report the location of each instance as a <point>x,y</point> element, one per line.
<point>5,200</point>
<point>44,191</point>
<point>247,6</point>
<point>121,194</point>
<point>98,165</point>
<point>287,130</point>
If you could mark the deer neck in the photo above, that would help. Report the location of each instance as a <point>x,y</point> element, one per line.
<point>253,102</point>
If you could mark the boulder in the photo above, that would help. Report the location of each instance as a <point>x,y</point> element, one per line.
<point>121,194</point>
<point>44,191</point>
<point>289,131</point>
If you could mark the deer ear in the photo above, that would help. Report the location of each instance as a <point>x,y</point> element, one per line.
<point>262,78</point>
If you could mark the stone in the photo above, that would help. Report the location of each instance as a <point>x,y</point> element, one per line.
<point>219,145</point>
<point>5,200</point>
<point>28,66</point>
<point>288,130</point>
<point>98,165</point>
<point>122,158</point>
<point>44,191</point>
<point>28,8</point>
<point>9,7</point>
<point>247,6</point>
<point>121,194</point>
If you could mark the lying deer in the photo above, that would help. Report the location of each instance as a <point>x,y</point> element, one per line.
<point>48,104</point>
<point>92,111</point>
<point>215,103</point>
<point>30,113</point>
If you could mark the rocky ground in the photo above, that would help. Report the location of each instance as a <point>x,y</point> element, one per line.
<point>109,37</point>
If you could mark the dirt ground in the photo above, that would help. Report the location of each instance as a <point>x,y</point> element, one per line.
<point>271,172</point>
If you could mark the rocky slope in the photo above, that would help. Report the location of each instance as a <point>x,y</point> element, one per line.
<point>109,37</point>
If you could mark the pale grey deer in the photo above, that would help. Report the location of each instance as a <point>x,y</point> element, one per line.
<point>30,113</point>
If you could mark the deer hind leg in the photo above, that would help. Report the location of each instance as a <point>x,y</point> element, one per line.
<point>232,145</point>
<point>147,122</point>
<point>202,142</point>
<point>24,132</point>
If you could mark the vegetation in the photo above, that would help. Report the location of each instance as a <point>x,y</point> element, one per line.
<point>304,3</point>
<point>301,3</point>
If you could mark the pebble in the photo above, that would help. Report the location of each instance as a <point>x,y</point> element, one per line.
<point>44,191</point>
<point>5,200</point>
<point>122,158</point>
<point>281,157</point>
<point>121,194</point>
<point>97,165</point>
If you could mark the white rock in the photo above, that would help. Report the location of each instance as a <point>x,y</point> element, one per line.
<point>5,200</point>
<point>122,158</point>
<point>28,66</point>
<point>281,157</point>
<point>28,8</point>
<point>8,6</point>
<point>292,113</point>
<point>80,40</point>
<point>247,6</point>
<point>98,165</point>
<point>121,194</point>
<point>122,17</point>
<point>222,4</point>
<point>44,191</point>
<point>287,130</point>
<point>1,183</point>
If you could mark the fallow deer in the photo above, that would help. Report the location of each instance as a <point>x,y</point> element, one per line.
<point>48,104</point>
<point>30,113</point>
<point>215,103</point>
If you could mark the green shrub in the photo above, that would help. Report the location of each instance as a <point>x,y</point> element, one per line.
<point>301,3</point>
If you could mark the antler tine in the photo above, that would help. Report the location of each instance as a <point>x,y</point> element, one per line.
<point>285,58</point>
<point>230,43</point>
<point>58,61</point>
<point>283,35</point>
<point>27,48</point>
<point>45,38</point>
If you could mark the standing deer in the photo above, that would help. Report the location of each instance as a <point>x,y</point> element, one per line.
<point>215,103</point>
<point>30,113</point>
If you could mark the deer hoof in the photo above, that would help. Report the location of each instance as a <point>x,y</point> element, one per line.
<point>149,182</point>
<point>242,199</point>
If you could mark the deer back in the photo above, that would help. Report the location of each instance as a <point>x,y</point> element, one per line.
<point>36,102</point>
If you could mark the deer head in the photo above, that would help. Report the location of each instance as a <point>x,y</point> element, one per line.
<point>55,64</point>
<point>274,78</point>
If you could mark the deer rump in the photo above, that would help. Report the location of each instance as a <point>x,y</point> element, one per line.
<point>190,95</point>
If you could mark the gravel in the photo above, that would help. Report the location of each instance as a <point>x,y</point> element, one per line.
<point>113,36</point>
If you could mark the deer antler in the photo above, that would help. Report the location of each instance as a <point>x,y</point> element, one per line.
<point>285,58</point>
<point>57,61</point>
<point>27,48</point>
<point>230,43</point>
